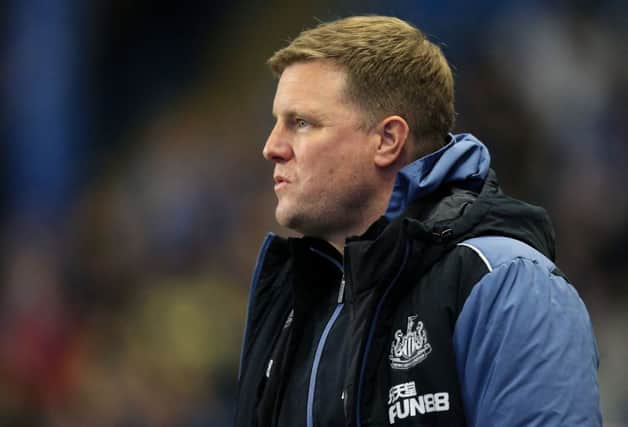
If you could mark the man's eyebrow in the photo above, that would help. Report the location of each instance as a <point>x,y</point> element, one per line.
<point>287,113</point>
<point>304,113</point>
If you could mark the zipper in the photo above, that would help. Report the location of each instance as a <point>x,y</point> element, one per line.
<point>322,340</point>
<point>258,268</point>
<point>341,291</point>
<point>372,333</point>
<point>317,361</point>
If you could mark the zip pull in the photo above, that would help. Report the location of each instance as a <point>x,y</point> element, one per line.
<point>341,292</point>
<point>268,368</point>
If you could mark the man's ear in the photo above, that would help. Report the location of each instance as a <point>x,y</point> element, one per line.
<point>393,133</point>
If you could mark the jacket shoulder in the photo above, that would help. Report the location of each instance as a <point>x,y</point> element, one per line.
<point>524,345</point>
<point>495,251</point>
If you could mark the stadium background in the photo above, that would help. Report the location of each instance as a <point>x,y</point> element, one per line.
<point>134,195</point>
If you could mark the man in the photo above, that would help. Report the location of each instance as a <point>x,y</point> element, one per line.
<point>420,295</point>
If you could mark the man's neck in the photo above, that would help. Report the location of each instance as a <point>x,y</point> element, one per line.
<point>339,245</point>
<point>367,219</point>
<point>375,209</point>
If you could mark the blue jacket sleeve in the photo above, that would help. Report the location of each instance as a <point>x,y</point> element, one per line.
<point>525,351</point>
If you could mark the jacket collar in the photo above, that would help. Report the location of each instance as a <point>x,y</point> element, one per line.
<point>464,161</point>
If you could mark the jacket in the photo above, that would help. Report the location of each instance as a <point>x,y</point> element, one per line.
<point>448,311</point>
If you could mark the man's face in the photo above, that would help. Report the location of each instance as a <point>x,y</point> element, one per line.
<point>324,172</point>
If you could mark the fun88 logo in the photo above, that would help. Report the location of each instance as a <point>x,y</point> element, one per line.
<point>404,402</point>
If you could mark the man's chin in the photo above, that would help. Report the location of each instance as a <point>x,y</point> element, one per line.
<point>284,218</point>
<point>291,220</point>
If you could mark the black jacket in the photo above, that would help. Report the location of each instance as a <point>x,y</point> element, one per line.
<point>400,331</point>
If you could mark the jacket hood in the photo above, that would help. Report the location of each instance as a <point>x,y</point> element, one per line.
<point>453,194</point>
<point>464,161</point>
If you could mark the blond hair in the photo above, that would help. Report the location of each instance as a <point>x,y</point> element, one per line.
<point>391,69</point>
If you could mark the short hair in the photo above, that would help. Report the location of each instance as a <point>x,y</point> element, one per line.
<point>392,68</point>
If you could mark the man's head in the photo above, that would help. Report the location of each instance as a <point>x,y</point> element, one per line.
<point>356,100</point>
<point>391,69</point>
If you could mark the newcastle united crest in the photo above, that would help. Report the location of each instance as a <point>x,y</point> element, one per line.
<point>410,348</point>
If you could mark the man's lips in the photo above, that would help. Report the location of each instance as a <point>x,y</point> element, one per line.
<point>280,181</point>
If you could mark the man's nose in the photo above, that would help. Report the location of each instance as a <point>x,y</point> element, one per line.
<point>277,149</point>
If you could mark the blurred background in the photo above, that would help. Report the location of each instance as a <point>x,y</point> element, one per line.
<point>134,195</point>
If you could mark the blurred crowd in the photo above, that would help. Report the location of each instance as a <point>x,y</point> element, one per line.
<point>135,195</point>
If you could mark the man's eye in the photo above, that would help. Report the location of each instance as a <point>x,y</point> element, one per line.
<point>300,123</point>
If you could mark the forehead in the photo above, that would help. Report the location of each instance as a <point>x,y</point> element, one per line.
<point>313,85</point>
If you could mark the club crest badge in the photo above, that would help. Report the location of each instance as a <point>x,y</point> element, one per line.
<point>410,348</point>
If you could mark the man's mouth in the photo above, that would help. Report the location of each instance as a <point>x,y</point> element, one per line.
<point>280,181</point>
